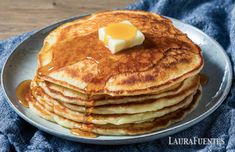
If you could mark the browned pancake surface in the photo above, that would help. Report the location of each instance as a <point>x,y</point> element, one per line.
<point>74,57</point>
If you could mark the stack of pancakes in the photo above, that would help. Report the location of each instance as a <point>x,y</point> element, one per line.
<point>80,84</point>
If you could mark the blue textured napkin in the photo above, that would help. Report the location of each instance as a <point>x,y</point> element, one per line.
<point>214,17</point>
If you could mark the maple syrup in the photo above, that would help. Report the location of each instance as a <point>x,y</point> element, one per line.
<point>21,91</point>
<point>203,79</point>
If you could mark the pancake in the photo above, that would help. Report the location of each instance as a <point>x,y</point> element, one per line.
<point>131,128</point>
<point>116,119</point>
<point>137,107</point>
<point>172,104</point>
<point>144,104</point>
<point>73,97</point>
<point>73,57</point>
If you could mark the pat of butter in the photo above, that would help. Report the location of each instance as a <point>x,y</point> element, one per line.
<point>120,36</point>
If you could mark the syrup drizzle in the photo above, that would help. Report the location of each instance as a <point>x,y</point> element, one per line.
<point>21,91</point>
<point>203,79</point>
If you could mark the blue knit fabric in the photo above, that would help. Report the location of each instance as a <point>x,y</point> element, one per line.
<point>214,17</point>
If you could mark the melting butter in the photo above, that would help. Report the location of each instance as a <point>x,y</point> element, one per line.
<point>120,36</point>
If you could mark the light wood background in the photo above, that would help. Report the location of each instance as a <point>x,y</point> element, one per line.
<point>18,16</point>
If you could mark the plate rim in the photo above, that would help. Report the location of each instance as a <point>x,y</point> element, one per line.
<point>131,139</point>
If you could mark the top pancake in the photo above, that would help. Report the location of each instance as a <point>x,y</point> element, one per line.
<point>72,56</point>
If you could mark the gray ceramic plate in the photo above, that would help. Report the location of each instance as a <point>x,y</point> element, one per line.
<point>22,63</point>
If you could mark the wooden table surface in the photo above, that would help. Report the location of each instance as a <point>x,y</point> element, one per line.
<point>21,16</point>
